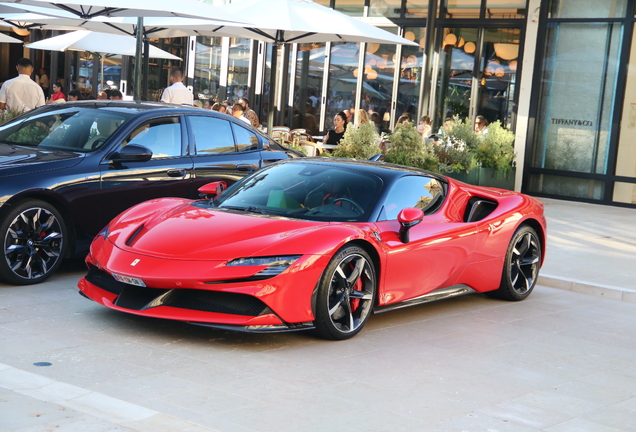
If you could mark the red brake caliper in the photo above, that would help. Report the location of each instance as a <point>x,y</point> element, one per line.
<point>358,287</point>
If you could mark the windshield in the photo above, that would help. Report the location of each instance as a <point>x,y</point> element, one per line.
<point>75,129</point>
<point>306,191</point>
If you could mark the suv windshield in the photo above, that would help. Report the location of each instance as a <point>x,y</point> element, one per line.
<point>306,191</point>
<point>76,129</point>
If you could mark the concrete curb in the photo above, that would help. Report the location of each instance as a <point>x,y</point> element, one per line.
<point>98,405</point>
<point>599,290</point>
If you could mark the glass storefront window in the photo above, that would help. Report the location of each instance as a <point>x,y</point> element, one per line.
<point>503,9</point>
<point>207,69</point>
<point>238,68</point>
<point>463,8</point>
<point>576,97</point>
<point>385,8</point>
<point>310,64</point>
<point>416,9</point>
<point>411,73</point>
<point>587,8</point>
<point>498,72</point>
<point>350,7</point>
<point>626,158</point>
<point>457,63</point>
<point>343,77</point>
<point>567,186</point>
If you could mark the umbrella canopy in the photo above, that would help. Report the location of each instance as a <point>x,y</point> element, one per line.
<point>88,9</point>
<point>8,39</point>
<point>84,40</point>
<point>302,21</point>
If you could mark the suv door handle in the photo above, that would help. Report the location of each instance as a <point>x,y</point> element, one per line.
<point>176,173</point>
<point>245,167</point>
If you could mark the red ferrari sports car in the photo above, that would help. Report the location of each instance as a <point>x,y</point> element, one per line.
<point>316,243</point>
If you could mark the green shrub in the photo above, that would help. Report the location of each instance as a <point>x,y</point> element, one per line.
<point>454,155</point>
<point>496,148</point>
<point>408,148</point>
<point>358,142</point>
<point>8,115</point>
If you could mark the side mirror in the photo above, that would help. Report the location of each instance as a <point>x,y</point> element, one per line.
<point>408,218</point>
<point>132,153</point>
<point>212,190</point>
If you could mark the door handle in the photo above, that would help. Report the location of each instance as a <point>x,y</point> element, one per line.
<point>176,173</point>
<point>245,167</point>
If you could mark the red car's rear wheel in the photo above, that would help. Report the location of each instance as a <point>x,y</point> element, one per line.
<point>346,294</point>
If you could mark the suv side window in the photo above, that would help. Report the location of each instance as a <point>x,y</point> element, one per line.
<point>421,192</point>
<point>161,135</point>
<point>212,135</point>
<point>246,140</point>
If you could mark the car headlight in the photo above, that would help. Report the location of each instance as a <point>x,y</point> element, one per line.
<point>276,264</point>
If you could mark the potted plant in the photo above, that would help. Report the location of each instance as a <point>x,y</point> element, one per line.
<point>483,159</point>
<point>358,142</point>
<point>408,148</point>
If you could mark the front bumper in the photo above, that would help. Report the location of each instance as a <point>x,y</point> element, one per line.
<point>203,292</point>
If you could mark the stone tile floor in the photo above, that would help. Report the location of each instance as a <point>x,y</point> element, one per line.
<point>558,361</point>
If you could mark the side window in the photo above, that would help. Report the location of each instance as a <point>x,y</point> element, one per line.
<point>245,139</point>
<point>212,135</point>
<point>162,136</point>
<point>413,191</point>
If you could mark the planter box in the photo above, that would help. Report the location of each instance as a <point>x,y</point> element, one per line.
<point>489,177</point>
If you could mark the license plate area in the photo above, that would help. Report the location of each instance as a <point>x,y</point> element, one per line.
<point>129,280</point>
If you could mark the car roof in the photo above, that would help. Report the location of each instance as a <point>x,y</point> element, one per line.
<point>125,106</point>
<point>381,169</point>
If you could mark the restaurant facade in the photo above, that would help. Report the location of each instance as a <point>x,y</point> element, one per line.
<point>561,74</point>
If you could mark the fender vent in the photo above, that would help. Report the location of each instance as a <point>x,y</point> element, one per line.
<point>478,208</point>
<point>131,239</point>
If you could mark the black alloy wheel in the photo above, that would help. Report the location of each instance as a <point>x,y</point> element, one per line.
<point>346,294</point>
<point>521,266</point>
<point>33,234</point>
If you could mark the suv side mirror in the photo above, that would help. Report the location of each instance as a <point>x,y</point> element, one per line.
<point>408,218</point>
<point>212,190</point>
<point>132,153</point>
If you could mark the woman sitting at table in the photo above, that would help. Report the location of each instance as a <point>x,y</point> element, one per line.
<point>340,125</point>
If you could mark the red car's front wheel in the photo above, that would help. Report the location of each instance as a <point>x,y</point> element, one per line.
<point>346,294</point>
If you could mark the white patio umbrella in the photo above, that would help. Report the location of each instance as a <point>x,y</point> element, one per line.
<point>102,43</point>
<point>90,9</point>
<point>8,39</point>
<point>300,21</point>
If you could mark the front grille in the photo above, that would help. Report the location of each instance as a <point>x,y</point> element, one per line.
<point>140,298</point>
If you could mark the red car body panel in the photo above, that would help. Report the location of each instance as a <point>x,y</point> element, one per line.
<point>172,245</point>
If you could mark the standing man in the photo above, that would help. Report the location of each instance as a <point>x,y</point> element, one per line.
<point>21,93</point>
<point>177,93</point>
<point>249,113</point>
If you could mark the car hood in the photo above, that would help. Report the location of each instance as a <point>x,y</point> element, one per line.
<point>16,159</point>
<point>190,232</point>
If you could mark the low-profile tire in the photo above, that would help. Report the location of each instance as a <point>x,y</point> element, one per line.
<point>346,294</point>
<point>34,241</point>
<point>521,266</point>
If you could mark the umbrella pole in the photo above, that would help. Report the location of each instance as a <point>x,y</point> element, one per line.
<point>137,80</point>
<point>272,91</point>
<point>102,80</point>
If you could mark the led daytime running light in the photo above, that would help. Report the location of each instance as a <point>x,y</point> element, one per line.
<point>274,261</point>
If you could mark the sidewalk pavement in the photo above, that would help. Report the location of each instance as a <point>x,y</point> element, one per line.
<point>591,249</point>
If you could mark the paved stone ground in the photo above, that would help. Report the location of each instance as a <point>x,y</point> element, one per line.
<point>559,361</point>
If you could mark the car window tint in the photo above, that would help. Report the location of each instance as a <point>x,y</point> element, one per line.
<point>245,139</point>
<point>162,136</point>
<point>212,135</point>
<point>65,129</point>
<point>421,192</point>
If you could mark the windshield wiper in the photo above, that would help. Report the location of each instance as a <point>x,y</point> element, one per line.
<point>249,209</point>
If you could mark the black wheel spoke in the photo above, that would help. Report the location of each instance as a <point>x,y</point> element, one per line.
<point>524,263</point>
<point>33,243</point>
<point>351,293</point>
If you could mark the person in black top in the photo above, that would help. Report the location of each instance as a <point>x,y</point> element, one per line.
<point>340,126</point>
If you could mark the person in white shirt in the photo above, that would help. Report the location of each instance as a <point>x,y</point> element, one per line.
<point>237,111</point>
<point>177,93</point>
<point>21,93</point>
